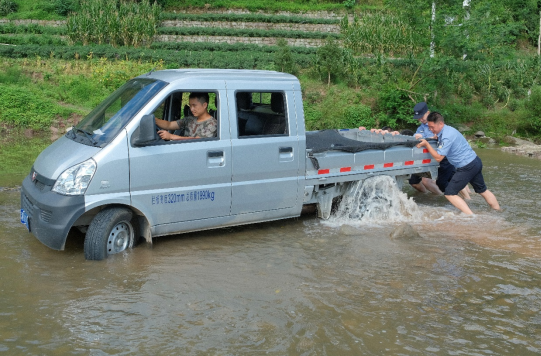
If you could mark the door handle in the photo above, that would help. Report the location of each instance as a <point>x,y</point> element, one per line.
<point>285,154</point>
<point>215,159</point>
<point>215,154</point>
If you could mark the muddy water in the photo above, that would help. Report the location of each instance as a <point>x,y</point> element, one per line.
<point>468,286</point>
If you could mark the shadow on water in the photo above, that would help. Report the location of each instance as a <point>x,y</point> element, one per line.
<point>292,287</point>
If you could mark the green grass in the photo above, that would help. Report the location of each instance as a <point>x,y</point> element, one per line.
<point>36,10</point>
<point>17,155</point>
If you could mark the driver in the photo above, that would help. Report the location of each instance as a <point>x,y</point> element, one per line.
<point>200,125</point>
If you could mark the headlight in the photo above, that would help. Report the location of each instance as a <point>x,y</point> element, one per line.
<point>75,180</point>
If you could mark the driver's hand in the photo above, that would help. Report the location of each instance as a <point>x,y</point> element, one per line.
<point>164,135</point>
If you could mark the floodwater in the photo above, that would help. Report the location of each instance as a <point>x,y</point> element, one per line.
<point>467,286</point>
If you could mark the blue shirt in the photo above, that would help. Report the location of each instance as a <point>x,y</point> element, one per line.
<point>425,131</point>
<point>454,146</point>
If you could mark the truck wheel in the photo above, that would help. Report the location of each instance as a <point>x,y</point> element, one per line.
<point>112,231</point>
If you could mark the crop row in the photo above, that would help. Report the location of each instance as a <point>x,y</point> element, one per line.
<point>246,18</point>
<point>33,29</point>
<point>207,31</point>
<point>182,31</point>
<point>184,58</point>
<point>115,22</point>
<point>225,47</point>
<point>25,39</point>
<point>32,40</point>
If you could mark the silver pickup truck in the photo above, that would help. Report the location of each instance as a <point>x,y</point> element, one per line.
<point>113,178</point>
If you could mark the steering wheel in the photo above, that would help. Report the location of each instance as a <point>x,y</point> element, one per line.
<point>158,129</point>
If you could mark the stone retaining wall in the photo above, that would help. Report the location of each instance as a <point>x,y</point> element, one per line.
<point>262,41</point>
<point>50,23</point>
<point>329,28</point>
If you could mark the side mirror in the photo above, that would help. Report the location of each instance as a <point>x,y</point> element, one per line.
<point>146,132</point>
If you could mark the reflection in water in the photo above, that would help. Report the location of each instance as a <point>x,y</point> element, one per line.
<point>294,287</point>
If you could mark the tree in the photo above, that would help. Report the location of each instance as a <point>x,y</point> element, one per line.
<point>283,58</point>
<point>329,59</point>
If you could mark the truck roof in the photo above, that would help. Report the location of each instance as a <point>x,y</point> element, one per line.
<point>172,75</point>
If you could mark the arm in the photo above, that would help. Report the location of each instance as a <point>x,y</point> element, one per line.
<point>168,136</point>
<point>169,125</point>
<point>166,125</point>
<point>431,150</point>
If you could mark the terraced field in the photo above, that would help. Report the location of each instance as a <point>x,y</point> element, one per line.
<point>237,39</point>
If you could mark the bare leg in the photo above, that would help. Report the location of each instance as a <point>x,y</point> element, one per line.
<point>491,199</point>
<point>420,187</point>
<point>465,193</point>
<point>431,185</point>
<point>459,203</point>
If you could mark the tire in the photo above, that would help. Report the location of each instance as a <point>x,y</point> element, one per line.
<point>112,231</point>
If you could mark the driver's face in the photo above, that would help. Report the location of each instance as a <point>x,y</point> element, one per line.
<point>197,108</point>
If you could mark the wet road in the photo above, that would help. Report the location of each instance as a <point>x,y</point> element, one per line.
<point>468,286</point>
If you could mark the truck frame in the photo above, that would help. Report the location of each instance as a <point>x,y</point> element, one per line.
<point>113,178</point>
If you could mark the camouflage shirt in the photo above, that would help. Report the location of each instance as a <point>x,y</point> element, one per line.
<point>191,128</point>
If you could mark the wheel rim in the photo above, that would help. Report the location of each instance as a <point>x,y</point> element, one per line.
<point>119,238</point>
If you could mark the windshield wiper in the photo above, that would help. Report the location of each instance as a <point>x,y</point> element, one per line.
<point>87,134</point>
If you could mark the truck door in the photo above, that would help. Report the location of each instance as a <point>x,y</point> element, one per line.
<point>187,180</point>
<point>264,151</point>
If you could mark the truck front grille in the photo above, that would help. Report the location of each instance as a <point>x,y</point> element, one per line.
<point>27,205</point>
<point>39,185</point>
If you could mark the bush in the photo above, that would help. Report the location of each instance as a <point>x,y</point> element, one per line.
<point>64,7</point>
<point>396,107</point>
<point>359,115</point>
<point>7,7</point>
<point>533,105</point>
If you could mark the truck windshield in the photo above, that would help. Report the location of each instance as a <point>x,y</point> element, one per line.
<point>103,123</point>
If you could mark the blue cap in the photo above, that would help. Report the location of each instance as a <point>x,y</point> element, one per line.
<point>420,110</point>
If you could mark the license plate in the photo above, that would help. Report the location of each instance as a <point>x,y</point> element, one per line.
<point>24,219</point>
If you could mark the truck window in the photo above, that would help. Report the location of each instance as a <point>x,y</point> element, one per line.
<point>103,123</point>
<point>176,108</point>
<point>261,114</point>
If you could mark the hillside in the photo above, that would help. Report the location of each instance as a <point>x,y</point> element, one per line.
<point>376,64</point>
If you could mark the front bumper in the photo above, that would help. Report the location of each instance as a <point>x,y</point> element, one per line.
<point>50,215</point>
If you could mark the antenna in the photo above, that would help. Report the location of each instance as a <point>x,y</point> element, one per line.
<point>152,70</point>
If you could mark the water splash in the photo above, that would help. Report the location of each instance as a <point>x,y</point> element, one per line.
<point>376,200</point>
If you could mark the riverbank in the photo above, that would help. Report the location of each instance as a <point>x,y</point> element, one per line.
<point>523,148</point>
